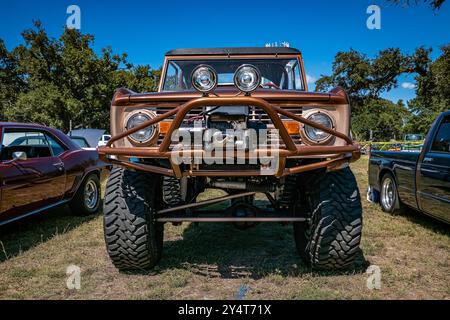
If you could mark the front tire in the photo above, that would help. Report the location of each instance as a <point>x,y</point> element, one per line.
<point>330,240</point>
<point>134,240</point>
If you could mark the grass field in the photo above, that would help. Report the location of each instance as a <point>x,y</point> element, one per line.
<point>217,261</point>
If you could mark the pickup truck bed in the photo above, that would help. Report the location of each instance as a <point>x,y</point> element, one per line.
<point>421,180</point>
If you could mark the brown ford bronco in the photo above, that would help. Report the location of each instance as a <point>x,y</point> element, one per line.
<point>241,120</point>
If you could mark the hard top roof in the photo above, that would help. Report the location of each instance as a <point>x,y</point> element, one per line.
<point>232,51</point>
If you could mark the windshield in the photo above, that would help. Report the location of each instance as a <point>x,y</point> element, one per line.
<point>276,73</point>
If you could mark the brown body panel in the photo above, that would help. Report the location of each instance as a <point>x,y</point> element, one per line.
<point>274,103</point>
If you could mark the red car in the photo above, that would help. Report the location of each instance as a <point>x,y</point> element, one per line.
<point>41,168</point>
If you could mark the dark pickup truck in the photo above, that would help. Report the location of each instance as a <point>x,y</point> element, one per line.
<point>420,180</point>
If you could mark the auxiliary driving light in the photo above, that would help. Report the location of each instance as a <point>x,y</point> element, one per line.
<point>204,78</point>
<point>247,78</point>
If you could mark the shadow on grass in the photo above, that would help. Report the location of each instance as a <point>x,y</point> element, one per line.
<point>22,235</point>
<point>426,221</point>
<point>220,250</point>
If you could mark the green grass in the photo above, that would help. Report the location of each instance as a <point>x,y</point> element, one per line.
<point>215,260</point>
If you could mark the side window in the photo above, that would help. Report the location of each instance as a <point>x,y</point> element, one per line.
<point>294,79</point>
<point>56,147</point>
<point>441,142</point>
<point>33,143</point>
<point>298,78</point>
<point>172,81</point>
<point>290,78</point>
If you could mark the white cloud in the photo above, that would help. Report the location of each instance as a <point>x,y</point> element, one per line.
<point>408,85</point>
<point>310,79</point>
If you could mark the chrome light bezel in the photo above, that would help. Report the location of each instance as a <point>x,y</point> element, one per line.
<point>149,115</point>
<point>214,78</point>
<point>256,83</point>
<point>325,140</point>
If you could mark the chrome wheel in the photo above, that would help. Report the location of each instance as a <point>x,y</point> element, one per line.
<point>90,195</point>
<point>388,193</point>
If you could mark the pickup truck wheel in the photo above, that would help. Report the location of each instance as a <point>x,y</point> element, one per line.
<point>133,238</point>
<point>87,199</point>
<point>330,240</point>
<point>389,199</point>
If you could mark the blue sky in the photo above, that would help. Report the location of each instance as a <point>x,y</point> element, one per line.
<point>147,29</point>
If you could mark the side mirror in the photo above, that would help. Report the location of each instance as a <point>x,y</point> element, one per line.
<point>19,155</point>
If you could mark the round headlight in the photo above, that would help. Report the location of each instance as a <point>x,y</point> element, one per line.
<point>204,78</point>
<point>315,134</point>
<point>144,134</point>
<point>247,78</point>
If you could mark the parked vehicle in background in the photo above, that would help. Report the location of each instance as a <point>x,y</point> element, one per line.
<point>81,142</point>
<point>104,140</point>
<point>41,168</point>
<point>412,142</point>
<point>232,95</point>
<point>411,147</point>
<point>420,180</point>
<point>92,136</point>
<point>413,137</point>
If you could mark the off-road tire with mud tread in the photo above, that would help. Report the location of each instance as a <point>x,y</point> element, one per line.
<point>133,239</point>
<point>331,239</point>
<point>287,192</point>
<point>171,190</point>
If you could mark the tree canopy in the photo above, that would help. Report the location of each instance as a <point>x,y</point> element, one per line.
<point>432,93</point>
<point>365,79</point>
<point>55,81</point>
<point>435,4</point>
<point>61,81</point>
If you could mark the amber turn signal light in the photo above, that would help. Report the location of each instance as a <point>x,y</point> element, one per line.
<point>164,126</point>
<point>292,127</point>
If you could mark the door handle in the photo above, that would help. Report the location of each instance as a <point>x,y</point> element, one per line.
<point>427,160</point>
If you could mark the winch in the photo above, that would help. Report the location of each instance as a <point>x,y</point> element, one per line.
<point>232,126</point>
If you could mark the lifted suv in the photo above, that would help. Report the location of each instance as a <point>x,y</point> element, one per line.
<point>241,120</point>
